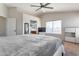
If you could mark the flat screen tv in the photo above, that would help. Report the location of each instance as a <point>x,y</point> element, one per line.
<point>41,29</point>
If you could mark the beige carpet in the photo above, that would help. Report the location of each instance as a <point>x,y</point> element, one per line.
<point>72,49</point>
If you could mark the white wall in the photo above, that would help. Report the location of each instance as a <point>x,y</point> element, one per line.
<point>19,23</point>
<point>3,16</point>
<point>2,26</point>
<point>3,10</point>
<point>27,18</point>
<point>13,12</point>
<point>21,18</point>
<point>69,19</point>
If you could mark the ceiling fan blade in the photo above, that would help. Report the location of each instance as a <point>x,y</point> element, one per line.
<point>46,4</point>
<point>49,7</point>
<point>41,4</point>
<point>38,9</point>
<point>34,6</point>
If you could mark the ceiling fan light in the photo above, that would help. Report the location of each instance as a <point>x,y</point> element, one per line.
<point>43,10</point>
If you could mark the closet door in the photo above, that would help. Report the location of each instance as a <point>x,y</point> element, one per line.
<point>11,26</point>
<point>77,35</point>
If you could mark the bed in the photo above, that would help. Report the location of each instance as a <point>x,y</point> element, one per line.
<point>31,45</point>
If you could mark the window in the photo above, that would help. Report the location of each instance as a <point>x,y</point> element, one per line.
<point>49,27</point>
<point>54,27</point>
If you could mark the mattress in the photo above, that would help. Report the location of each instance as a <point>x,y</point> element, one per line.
<point>29,45</point>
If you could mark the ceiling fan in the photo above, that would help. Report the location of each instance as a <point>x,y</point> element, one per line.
<point>42,6</point>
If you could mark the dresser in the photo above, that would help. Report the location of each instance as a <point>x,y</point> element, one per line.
<point>71,34</point>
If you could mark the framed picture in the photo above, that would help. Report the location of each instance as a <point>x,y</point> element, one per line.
<point>33,25</point>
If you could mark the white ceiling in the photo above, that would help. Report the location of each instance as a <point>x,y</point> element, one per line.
<point>58,7</point>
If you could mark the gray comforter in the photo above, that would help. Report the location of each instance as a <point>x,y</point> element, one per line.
<point>29,45</point>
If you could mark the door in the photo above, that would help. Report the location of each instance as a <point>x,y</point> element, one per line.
<point>11,26</point>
